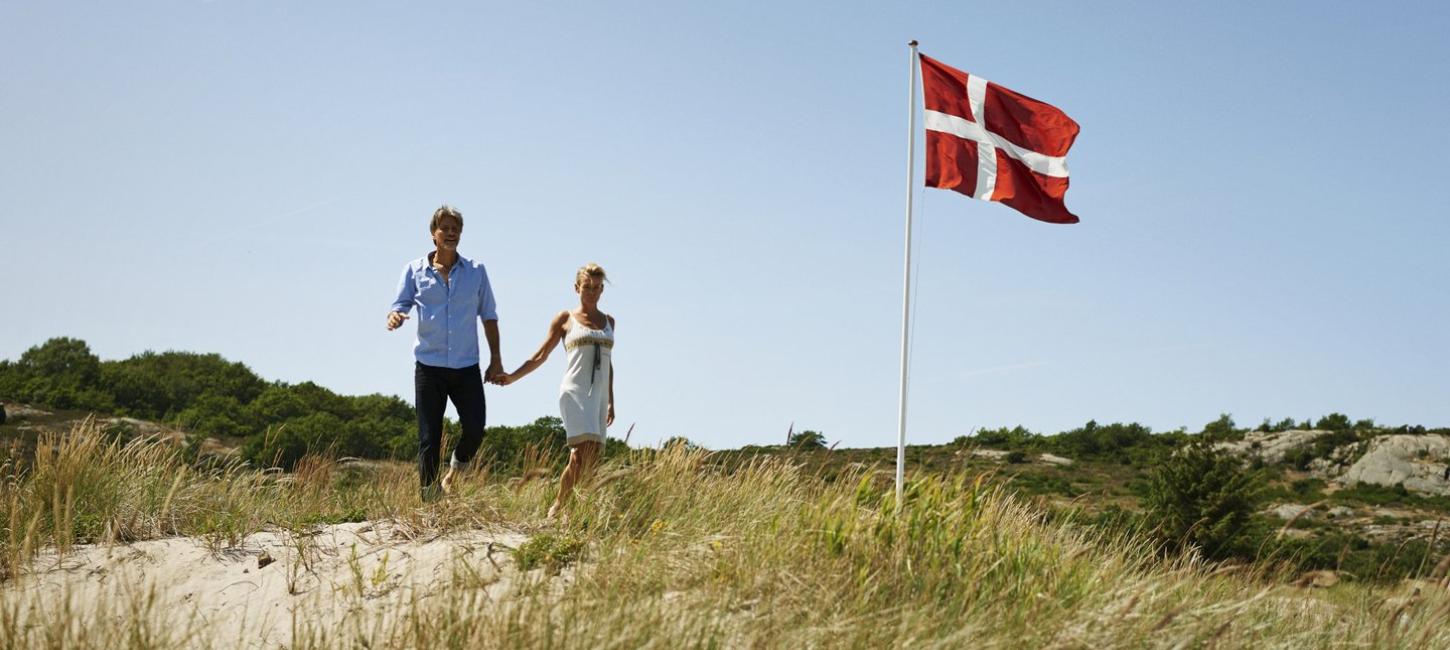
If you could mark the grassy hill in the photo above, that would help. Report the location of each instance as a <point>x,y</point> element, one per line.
<point>674,548</point>
<point>111,526</point>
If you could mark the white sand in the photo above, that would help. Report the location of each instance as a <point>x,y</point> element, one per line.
<point>346,576</point>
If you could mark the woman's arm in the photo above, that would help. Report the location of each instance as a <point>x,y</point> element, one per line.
<point>609,419</point>
<point>556,334</point>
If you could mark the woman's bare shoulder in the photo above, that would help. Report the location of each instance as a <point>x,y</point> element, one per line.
<point>560,320</point>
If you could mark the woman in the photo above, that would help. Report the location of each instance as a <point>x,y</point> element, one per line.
<point>586,398</point>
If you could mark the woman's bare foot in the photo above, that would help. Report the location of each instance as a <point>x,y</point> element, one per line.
<point>447,482</point>
<point>553,511</point>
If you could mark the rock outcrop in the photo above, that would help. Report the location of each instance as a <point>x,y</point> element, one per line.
<point>1421,463</point>
<point>1271,446</point>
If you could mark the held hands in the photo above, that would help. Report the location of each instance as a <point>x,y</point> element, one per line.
<point>495,373</point>
<point>395,320</point>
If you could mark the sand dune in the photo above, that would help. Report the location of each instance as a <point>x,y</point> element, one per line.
<point>344,577</point>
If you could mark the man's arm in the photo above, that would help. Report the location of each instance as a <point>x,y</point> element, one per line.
<point>495,353</point>
<point>488,312</point>
<point>403,303</point>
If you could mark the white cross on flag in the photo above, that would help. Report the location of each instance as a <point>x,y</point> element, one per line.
<point>988,142</point>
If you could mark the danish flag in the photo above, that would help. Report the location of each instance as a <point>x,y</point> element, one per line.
<point>993,144</point>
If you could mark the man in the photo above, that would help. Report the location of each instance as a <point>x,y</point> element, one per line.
<point>450,291</point>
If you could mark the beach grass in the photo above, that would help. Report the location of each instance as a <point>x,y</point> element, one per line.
<point>667,549</point>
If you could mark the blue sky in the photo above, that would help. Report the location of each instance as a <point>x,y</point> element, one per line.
<point>1262,233</point>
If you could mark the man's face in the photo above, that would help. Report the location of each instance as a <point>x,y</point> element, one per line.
<point>446,236</point>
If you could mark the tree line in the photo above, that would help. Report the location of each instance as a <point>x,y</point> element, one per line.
<point>276,423</point>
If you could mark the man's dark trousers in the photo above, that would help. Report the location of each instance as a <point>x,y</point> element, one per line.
<point>435,386</point>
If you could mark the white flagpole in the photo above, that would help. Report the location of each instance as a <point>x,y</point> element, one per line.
<point>906,282</point>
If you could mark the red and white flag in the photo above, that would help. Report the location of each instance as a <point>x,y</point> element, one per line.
<point>988,142</point>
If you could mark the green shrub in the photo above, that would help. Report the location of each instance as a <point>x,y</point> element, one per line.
<point>1222,429</point>
<point>1016,437</point>
<point>60,373</point>
<point>1334,422</point>
<point>549,551</point>
<point>1199,496</point>
<point>807,440</point>
<point>1128,444</point>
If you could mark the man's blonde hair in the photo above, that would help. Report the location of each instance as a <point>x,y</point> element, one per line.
<point>590,270</point>
<point>444,211</point>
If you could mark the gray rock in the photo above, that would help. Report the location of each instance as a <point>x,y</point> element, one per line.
<point>1419,462</point>
<point>21,411</point>
<point>1287,511</point>
<point>1271,446</point>
<point>141,427</point>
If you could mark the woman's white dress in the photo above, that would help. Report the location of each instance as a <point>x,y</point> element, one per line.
<point>584,394</point>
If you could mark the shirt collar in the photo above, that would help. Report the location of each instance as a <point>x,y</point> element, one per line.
<point>428,260</point>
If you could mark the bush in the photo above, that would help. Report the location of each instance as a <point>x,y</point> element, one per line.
<point>1282,425</point>
<point>1334,422</point>
<point>679,443</point>
<point>1222,429</point>
<point>1016,437</point>
<point>807,440</point>
<point>1123,443</point>
<point>215,415</point>
<point>283,446</point>
<point>504,447</point>
<point>549,551</point>
<point>60,373</point>
<point>1200,497</point>
<point>157,386</point>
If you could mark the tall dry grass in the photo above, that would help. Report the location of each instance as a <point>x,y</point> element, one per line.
<point>666,550</point>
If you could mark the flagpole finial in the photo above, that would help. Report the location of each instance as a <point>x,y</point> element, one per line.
<point>912,43</point>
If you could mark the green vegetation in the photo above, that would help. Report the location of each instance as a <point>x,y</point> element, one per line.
<point>807,440</point>
<point>1200,496</point>
<point>274,423</point>
<point>548,551</point>
<point>675,549</point>
<point>1168,495</point>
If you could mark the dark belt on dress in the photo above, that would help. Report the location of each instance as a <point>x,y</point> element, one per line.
<point>595,368</point>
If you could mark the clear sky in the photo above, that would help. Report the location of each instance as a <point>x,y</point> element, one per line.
<point>1260,185</point>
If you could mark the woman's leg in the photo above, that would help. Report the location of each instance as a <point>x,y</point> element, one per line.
<point>582,458</point>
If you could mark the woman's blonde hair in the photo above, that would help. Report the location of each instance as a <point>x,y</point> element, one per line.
<point>590,270</point>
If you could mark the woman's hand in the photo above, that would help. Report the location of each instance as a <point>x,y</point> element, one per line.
<point>609,419</point>
<point>503,379</point>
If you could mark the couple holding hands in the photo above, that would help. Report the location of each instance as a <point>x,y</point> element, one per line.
<point>452,294</point>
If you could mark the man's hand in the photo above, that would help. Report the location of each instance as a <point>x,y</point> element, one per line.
<point>495,370</point>
<point>395,320</point>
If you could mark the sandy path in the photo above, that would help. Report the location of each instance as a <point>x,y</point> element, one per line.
<point>340,577</point>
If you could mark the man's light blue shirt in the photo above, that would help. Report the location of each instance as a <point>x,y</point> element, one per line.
<point>447,333</point>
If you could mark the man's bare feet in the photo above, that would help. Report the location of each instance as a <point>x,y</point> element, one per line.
<point>447,483</point>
